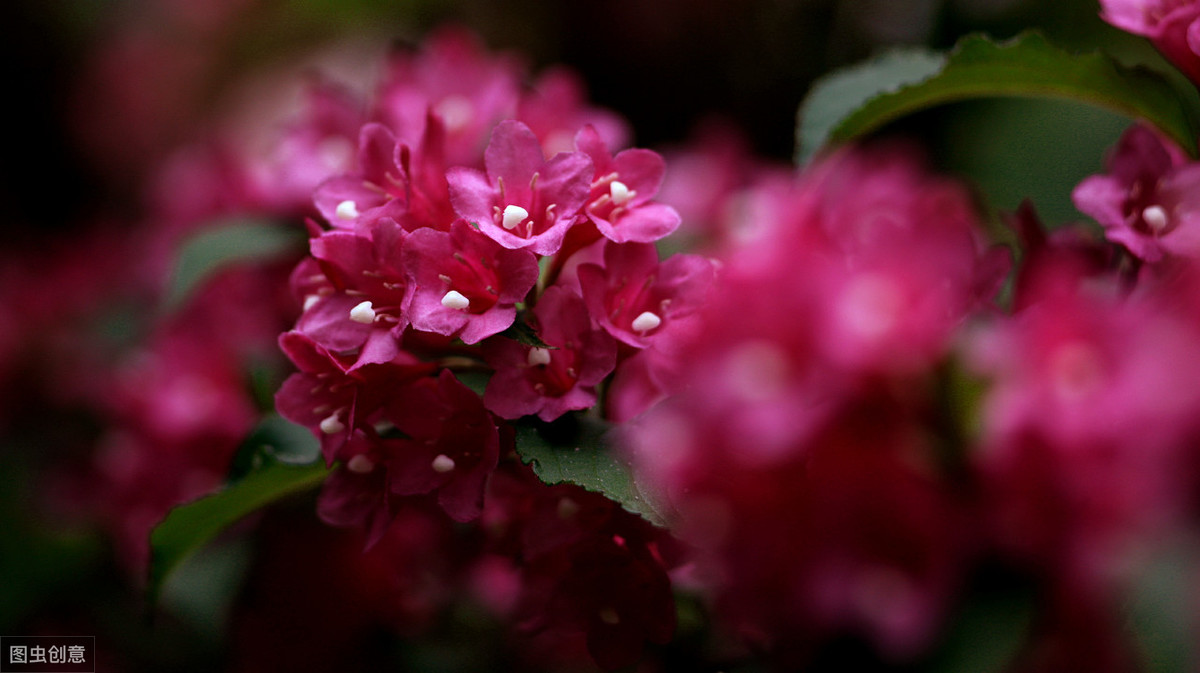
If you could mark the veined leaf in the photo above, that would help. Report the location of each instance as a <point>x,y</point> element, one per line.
<point>853,102</point>
<point>583,454</point>
<point>236,240</point>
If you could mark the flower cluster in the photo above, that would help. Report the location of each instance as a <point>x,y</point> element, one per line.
<point>796,456</point>
<point>826,461</point>
<point>473,245</point>
<point>830,441</point>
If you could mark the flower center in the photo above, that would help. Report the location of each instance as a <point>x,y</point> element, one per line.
<point>1156,219</point>
<point>363,313</point>
<point>347,210</point>
<point>513,216</point>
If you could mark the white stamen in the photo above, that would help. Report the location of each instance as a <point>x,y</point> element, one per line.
<point>646,322</point>
<point>538,356</point>
<point>332,425</point>
<point>1155,217</point>
<point>360,464</point>
<point>620,193</point>
<point>455,300</point>
<point>347,210</point>
<point>363,313</point>
<point>310,300</point>
<point>609,616</point>
<point>514,215</point>
<point>442,463</point>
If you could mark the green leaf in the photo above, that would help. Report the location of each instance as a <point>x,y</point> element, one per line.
<point>987,635</point>
<point>189,527</point>
<point>1161,611</point>
<point>579,450</point>
<point>853,102</point>
<point>522,333</point>
<point>231,241</point>
<point>274,439</point>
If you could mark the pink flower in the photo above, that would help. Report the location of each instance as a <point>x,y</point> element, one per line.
<point>523,201</point>
<point>393,182</point>
<point>633,296</point>
<point>1170,24</point>
<point>557,107</point>
<point>1148,200</point>
<point>1069,253</point>
<point>619,203</point>
<point>377,190</point>
<point>550,381</point>
<point>653,373</point>
<point>1092,401</point>
<point>447,444</point>
<point>796,445</point>
<point>857,534</point>
<point>315,146</point>
<point>464,283</point>
<point>358,498</point>
<point>591,573</point>
<point>360,304</point>
<point>452,78</point>
<point>331,395</point>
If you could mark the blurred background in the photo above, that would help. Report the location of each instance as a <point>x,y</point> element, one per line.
<point>101,92</point>
<point>99,89</point>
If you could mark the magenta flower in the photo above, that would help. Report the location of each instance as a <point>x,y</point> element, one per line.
<point>653,373</point>
<point>392,182</point>
<point>557,107</point>
<point>354,496</point>
<point>550,381</point>
<point>455,80</point>
<point>633,295</point>
<point>1092,400</point>
<point>1170,24</point>
<point>315,147</point>
<point>523,201</point>
<point>855,534</point>
<point>591,574</point>
<point>360,304</point>
<point>464,283</point>
<point>448,444</point>
<point>332,395</point>
<point>1149,201</point>
<point>619,203</point>
<point>377,190</point>
<point>795,443</point>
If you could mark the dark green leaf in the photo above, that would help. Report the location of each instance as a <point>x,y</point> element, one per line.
<point>522,333</point>
<point>274,439</point>
<point>232,241</point>
<point>579,450</point>
<point>475,380</point>
<point>190,526</point>
<point>861,99</point>
<point>1162,612</point>
<point>837,96</point>
<point>987,635</point>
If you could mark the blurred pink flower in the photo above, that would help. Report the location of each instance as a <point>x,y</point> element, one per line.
<point>799,455</point>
